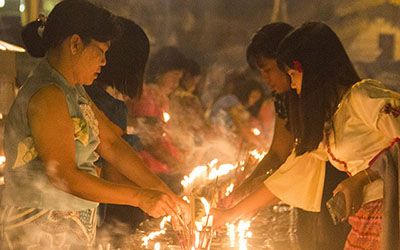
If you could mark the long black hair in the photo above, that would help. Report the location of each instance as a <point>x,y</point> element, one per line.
<point>67,18</point>
<point>265,42</point>
<point>327,71</point>
<point>126,60</point>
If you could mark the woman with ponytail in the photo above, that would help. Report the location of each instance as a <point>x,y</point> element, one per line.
<point>54,134</point>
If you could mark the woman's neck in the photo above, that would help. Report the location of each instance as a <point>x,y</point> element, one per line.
<point>60,64</point>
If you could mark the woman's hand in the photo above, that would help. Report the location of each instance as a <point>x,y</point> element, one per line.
<point>353,188</point>
<point>222,216</point>
<point>156,203</point>
<point>183,210</point>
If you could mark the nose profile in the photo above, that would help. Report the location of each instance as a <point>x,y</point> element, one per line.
<point>103,61</point>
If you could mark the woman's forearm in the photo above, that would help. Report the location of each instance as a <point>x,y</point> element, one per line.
<point>125,159</point>
<point>89,187</point>
<point>260,198</point>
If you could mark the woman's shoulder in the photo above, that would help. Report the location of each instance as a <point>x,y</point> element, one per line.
<point>372,89</point>
<point>50,95</point>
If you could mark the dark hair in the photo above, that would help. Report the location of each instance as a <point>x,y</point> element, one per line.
<point>243,91</point>
<point>67,18</point>
<point>327,70</point>
<point>192,69</point>
<point>240,84</point>
<point>244,88</point>
<point>164,60</point>
<point>126,60</point>
<point>265,42</point>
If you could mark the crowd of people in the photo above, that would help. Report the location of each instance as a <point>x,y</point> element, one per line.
<point>104,129</point>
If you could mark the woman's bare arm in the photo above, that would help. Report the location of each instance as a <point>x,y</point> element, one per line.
<point>281,147</point>
<point>53,134</point>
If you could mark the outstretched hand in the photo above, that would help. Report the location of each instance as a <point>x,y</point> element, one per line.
<point>221,217</point>
<point>156,203</point>
<point>352,188</point>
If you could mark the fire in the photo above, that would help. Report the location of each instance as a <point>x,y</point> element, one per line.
<point>230,232</point>
<point>257,155</point>
<point>206,205</point>
<point>197,172</point>
<point>2,159</point>
<point>166,117</point>
<point>223,169</point>
<point>229,189</point>
<point>242,232</point>
<point>155,234</point>
<point>209,171</point>
<point>256,131</point>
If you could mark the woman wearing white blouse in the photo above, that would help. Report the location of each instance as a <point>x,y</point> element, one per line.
<point>335,116</point>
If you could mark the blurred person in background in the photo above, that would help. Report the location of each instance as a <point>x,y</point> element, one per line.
<point>188,127</point>
<point>150,114</point>
<point>231,110</point>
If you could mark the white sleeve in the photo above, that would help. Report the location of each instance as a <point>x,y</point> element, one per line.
<point>379,108</point>
<point>299,181</point>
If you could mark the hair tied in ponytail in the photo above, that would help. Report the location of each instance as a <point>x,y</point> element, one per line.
<point>42,19</point>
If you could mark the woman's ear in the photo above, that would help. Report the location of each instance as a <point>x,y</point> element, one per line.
<point>76,44</point>
<point>296,79</point>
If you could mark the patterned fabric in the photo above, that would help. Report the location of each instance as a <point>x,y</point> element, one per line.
<point>389,109</point>
<point>387,165</point>
<point>32,228</point>
<point>27,184</point>
<point>366,227</point>
<point>281,108</point>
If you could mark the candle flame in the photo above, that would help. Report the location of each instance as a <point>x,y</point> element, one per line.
<point>185,198</point>
<point>166,117</point>
<point>257,155</point>
<point>2,159</point>
<point>230,232</point>
<point>243,233</point>
<point>164,220</point>
<point>223,169</point>
<point>197,172</point>
<point>153,235</point>
<point>206,205</point>
<point>256,131</point>
<point>229,189</point>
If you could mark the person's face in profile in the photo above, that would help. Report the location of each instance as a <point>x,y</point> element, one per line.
<point>169,81</point>
<point>275,78</point>
<point>89,61</point>
<point>254,97</point>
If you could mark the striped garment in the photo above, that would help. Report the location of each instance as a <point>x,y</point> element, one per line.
<point>366,228</point>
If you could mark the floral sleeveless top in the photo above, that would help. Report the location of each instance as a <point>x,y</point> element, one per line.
<point>27,184</point>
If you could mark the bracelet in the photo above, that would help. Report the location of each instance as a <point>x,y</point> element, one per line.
<point>368,176</point>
